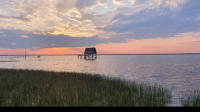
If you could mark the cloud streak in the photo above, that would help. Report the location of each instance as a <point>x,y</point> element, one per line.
<point>156,22</point>
<point>24,39</point>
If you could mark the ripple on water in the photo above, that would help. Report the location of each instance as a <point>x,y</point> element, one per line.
<point>180,72</point>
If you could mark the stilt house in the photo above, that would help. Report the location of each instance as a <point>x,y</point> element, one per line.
<point>90,53</point>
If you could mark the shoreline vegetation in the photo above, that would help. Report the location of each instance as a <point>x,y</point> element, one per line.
<point>191,99</point>
<point>27,88</point>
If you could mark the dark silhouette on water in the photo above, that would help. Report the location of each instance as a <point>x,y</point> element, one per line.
<point>8,61</point>
<point>89,54</point>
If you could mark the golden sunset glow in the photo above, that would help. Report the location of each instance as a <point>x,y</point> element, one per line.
<point>113,26</point>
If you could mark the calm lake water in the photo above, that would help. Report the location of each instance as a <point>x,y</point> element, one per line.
<point>177,72</point>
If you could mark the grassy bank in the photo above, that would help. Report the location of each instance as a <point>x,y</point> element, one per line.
<point>47,88</point>
<point>191,99</point>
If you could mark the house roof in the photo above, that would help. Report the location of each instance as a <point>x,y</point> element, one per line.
<point>90,51</point>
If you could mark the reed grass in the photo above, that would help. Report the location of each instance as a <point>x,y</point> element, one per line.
<point>191,99</point>
<point>47,88</point>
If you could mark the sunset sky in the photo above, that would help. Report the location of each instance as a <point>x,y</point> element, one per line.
<point>112,26</point>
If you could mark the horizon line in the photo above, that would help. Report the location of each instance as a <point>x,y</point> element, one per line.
<point>97,54</point>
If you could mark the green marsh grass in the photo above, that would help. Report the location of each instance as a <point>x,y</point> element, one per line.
<point>47,88</point>
<point>191,99</point>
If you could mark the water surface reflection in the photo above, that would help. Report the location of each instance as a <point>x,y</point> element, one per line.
<point>177,72</point>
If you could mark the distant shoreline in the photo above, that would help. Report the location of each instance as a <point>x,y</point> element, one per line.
<point>9,61</point>
<point>112,54</point>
